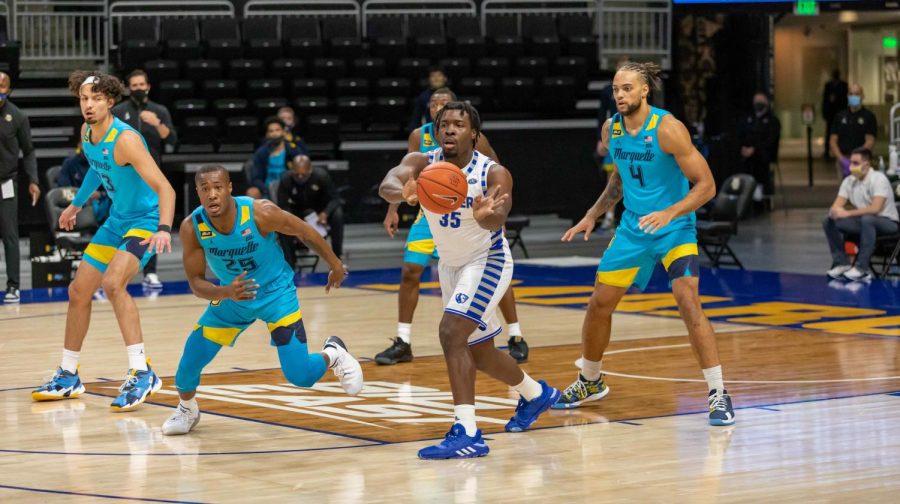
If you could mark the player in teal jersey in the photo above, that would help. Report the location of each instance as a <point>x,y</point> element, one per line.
<point>655,161</point>
<point>420,250</point>
<point>237,238</point>
<point>139,225</point>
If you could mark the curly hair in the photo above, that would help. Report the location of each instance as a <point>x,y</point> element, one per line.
<point>466,109</point>
<point>649,72</point>
<point>108,85</point>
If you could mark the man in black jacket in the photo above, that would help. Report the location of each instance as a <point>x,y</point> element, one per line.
<point>15,136</point>
<point>834,100</point>
<point>304,190</point>
<point>759,133</point>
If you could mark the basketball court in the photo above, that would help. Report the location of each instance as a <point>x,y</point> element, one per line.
<point>815,385</point>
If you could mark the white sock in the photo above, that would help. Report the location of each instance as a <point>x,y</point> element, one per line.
<point>136,358</point>
<point>191,404</point>
<point>515,330</point>
<point>404,331</point>
<point>713,378</point>
<point>69,360</point>
<point>529,389</point>
<point>465,416</point>
<point>590,369</point>
<point>332,354</point>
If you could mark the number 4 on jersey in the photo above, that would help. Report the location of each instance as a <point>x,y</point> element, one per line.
<point>637,173</point>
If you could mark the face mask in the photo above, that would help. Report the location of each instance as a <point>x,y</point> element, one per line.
<point>275,142</point>
<point>854,100</point>
<point>857,171</point>
<point>139,96</point>
<point>760,107</point>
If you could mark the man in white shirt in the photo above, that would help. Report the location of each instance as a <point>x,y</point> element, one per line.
<point>875,213</point>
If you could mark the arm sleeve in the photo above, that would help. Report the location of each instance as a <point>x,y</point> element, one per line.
<point>29,160</point>
<point>166,119</point>
<point>90,184</point>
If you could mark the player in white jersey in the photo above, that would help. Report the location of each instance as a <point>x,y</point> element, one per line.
<point>475,270</point>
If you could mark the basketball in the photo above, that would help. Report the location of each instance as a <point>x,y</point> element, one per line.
<point>441,187</point>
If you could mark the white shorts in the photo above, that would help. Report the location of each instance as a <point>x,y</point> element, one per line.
<point>473,291</point>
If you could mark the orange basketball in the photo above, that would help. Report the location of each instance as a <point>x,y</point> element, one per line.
<point>442,187</point>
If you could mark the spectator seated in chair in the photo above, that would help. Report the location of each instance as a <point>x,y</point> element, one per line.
<point>72,173</point>
<point>875,213</point>
<point>270,160</point>
<point>310,194</point>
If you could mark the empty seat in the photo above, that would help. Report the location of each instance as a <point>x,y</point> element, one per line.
<point>160,70</point>
<point>503,34</point>
<point>353,112</point>
<point>329,68</point>
<point>321,129</point>
<point>351,87</point>
<point>389,114</point>
<point>181,38</point>
<point>288,68</point>
<point>240,133</point>
<point>386,37</point>
<point>577,33</point>
<point>261,39</point>
<point>370,68</point>
<point>200,134</point>
<point>244,69</point>
<point>169,91</point>
<point>516,93</point>
<point>302,38</point>
<point>456,68</point>
<point>413,69</point>
<point>188,107</point>
<point>222,37</point>
<point>217,89</point>
<point>203,69</point>
<point>264,88</point>
<point>265,107</point>
<point>390,86</point>
<point>492,67</point>
<point>427,34</point>
<point>311,105</point>
<point>230,107</point>
<point>541,36</point>
<point>531,66</point>
<point>482,87</point>
<point>573,66</point>
<point>309,87</point>
<point>342,34</point>
<point>138,42</point>
<point>557,94</point>
<point>465,32</point>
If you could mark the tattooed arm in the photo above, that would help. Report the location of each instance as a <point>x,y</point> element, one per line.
<point>607,200</point>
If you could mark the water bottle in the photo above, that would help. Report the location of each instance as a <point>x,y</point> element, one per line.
<point>881,164</point>
<point>892,159</point>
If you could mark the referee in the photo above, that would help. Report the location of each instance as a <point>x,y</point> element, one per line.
<point>15,135</point>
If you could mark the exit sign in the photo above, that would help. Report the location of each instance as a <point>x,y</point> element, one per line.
<point>889,42</point>
<point>806,8</point>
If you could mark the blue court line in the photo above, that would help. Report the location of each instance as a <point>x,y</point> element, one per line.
<point>102,496</point>
<point>767,408</point>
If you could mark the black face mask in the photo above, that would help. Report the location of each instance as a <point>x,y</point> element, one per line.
<point>139,96</point>
<point>275,142</point>
<point>759,107</point>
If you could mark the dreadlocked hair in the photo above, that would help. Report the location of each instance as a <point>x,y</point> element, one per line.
<point>108,85</point>
<point>649,72</point>
<point>467,110</point>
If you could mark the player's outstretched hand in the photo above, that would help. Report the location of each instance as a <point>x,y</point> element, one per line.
<point>391,222</point>
<point>651,223</point>
<point>67,218</point>
<point>585,225</point>
<point>241,289</point>
<point>336,277</point>
<point>410,194</point>
<point>160,241</point>
<point>484,206</point>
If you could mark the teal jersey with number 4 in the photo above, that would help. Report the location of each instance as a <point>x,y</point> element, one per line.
<point>243,249</point>
<point>651,179</point>
<point>131,196</point>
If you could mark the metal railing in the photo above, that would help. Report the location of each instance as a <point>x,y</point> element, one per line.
<point>4,11</point>
<point>531,7</point>
<point>636,28</point>
<point>51,30</point>
<point>305,8</point>
<point>154,10</point>
<point>407,8</point>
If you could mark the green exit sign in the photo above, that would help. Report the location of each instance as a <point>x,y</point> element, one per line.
<point>889,42</point>
<point>806,8</point>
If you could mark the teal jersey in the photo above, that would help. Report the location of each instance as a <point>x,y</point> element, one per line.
<point>131,196</point>
<point>243,249</point>
<point>651,179</point>
<point>427,142</point>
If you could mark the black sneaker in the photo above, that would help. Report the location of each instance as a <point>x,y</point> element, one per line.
<point>12,295</point>
<point>399,351</point>
<point>518,348</point>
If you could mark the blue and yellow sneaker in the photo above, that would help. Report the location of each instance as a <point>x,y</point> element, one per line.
<point>527,412</point>
<point>580,392</point>
<point>720,410</point>
<point>456,444</point>
<point>138,386</point>
<point>63,385</point>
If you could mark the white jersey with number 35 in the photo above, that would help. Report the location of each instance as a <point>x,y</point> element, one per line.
<point>457,237</point>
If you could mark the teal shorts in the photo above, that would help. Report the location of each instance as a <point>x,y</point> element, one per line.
<point>223,321</point>
<point>118,233</point>
<point>632,255</point>
<point>420,247</point>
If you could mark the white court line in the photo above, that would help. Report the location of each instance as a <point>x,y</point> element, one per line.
<point>697,380</point>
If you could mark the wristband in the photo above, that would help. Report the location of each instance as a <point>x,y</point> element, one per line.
<point>163,227</point>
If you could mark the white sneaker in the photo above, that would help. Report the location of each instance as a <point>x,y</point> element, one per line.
<point>12,295</point>
<point>345,366</point>
<point>151,280</point>
<point>856,274</point>
<point>838,271</point>
<point>182,421</point>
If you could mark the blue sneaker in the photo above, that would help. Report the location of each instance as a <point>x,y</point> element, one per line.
<point>456,444</point>
<point>63,385</point>
<point>138,386</point>
<point>527,412</point>
<point>720,410</point>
